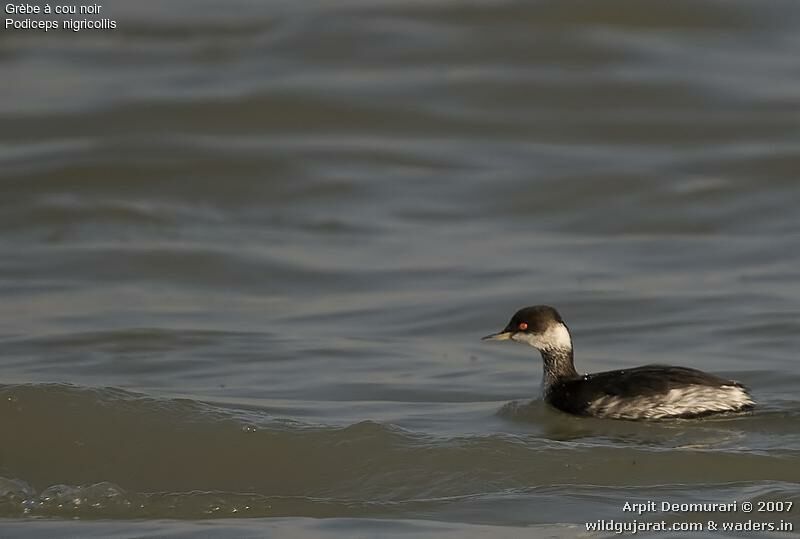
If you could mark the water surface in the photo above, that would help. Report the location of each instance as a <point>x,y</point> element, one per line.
<point>249,251</point>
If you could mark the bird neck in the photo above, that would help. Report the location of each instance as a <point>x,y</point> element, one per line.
<point>558,365</point>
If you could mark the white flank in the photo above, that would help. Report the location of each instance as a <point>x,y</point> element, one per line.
<point>676,402</point>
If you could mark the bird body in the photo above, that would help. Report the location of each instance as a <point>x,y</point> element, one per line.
<point>648,392</point>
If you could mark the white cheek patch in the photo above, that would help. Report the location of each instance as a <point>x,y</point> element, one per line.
<point>555,337</point>
<point>526,338</point>
<point>676,402</point>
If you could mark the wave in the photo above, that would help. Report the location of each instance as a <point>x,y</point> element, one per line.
<point>104,451</point>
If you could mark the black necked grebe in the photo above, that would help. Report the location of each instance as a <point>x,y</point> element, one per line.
<point>649,392</point>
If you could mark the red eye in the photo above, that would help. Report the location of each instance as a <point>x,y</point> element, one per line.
<point>523,326</point>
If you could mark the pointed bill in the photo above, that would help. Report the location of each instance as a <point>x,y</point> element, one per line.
<point>500,336</point>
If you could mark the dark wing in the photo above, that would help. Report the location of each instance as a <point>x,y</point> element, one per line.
<point>575,396</point>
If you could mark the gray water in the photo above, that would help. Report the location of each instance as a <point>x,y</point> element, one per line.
<point>249,250</point>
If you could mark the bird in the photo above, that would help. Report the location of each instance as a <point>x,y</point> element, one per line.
<point>641,393</point>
